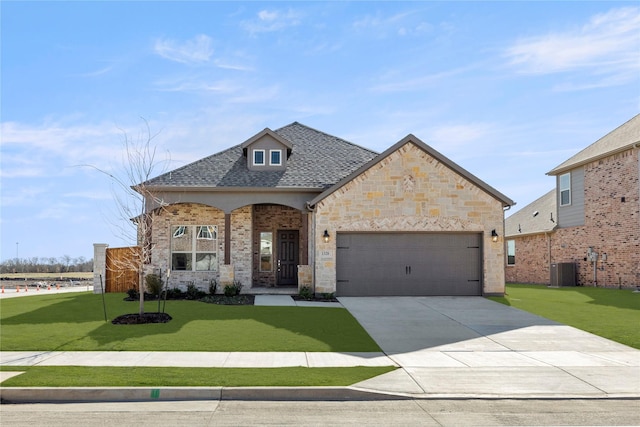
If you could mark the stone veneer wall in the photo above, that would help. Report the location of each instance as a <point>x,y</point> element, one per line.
<point>612,226</point>
<point>410,191</point>
<point>241,226</point>
<point>99,267</point>
<point>532,260</point>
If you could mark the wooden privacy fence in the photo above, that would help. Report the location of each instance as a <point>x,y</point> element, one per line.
<point>121,269</point>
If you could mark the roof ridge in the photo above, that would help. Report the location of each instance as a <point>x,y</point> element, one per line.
<point>327,134</point>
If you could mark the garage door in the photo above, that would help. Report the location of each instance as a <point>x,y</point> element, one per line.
<point>369,264</point>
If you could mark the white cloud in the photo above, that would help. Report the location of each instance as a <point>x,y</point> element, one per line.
<point>196,50</point>
<point>56,211</point>
<point>196,84</point>
<point>25,195</point>
<point>459,135</point>
<point>53,148</point>
<point>606,45</point>
<point>272,20</point>
<point>402,24</point>
<point>91,195</point>
<point>399,82</point>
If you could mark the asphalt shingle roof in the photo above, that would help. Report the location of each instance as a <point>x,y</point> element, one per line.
<point>621,138</point>
<point>526,221</point>
<point>318,160</point>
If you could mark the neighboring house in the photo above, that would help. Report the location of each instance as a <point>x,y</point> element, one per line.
<point>528,237</point>
<point>597,217</point>
<point>298,207</point>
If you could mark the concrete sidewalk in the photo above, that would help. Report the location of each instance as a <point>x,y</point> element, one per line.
<point>445,348</point>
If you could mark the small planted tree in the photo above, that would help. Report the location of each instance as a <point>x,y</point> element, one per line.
<point>133,197</point>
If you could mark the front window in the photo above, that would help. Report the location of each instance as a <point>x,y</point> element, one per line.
<point>266,251</point>
<point>276,157</point>
<point>565,189</point>
<point>511,252</point>
<point>258,157</point>
<point>193,248</point>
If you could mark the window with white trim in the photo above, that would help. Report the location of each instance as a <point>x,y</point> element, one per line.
<point>275,157</point>
<point>511,252</point>
<point>194,248</point>
<point>565,189</point>
<point>258,157</point>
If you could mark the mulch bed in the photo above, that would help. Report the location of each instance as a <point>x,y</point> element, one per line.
<point>224,300</point>
<point>137,319</point>
<point>317,298</point>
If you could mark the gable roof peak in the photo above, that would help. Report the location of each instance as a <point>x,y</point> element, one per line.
<point>263,133</point>
<point>410,138</point>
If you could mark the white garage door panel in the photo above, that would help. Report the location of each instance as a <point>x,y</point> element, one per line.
<point>408,264</point>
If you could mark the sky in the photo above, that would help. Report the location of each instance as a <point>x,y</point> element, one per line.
<point>507,90</point>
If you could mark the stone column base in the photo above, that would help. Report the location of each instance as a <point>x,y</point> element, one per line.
<point>305,276</point>
<point>227,275</point>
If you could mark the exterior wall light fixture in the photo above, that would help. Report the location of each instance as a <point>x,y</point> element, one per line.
<point>494,235</point>
<point>326,236</point>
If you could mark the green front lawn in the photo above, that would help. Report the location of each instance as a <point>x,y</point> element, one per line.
<point>75,321</point>
<point>91,376</point>
<point>609,313</point>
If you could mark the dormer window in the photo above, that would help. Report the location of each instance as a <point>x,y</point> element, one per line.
<point>258,158</point>
<point>275,157</point>
<point>267,152</point>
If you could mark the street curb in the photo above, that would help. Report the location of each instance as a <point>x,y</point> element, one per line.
<point>150,394</point>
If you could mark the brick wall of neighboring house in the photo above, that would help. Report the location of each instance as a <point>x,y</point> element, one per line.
<point>271,218</point>
<point>410,191</point>
<point>612,226</point>
<point>531,260</point>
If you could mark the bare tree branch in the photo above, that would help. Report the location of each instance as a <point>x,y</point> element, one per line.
<point>132,195</point>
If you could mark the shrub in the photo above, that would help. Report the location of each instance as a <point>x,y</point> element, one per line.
<point>154,284</point>
<point>175,293</point>
<point>193,292</point>
<point>305,292</point>
<point>328,295</point>
<point>213,286</point>
<point>133,294</point>
<point>233,290</point>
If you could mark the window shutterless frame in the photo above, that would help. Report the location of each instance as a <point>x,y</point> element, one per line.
<point>194,248</point>
<point>275,157</point>
<point>511,252</point>
<point>564,183</point>
<point>258,158</point>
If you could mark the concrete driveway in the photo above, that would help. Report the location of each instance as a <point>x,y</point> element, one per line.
<point>471,346</point>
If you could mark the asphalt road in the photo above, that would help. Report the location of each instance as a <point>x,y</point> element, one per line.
<point>451,412</point>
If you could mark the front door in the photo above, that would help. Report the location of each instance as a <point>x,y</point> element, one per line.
<point>287,265</point>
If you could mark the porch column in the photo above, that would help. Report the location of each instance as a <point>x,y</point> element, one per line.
<point>304,258</point>
<point>99,267</point>
<point>227,238</point>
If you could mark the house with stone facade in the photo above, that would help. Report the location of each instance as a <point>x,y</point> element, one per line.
<point>594,226</point>
<point>297,207</point>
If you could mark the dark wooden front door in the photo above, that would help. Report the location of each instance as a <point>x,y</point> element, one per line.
<point>287,265</point>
